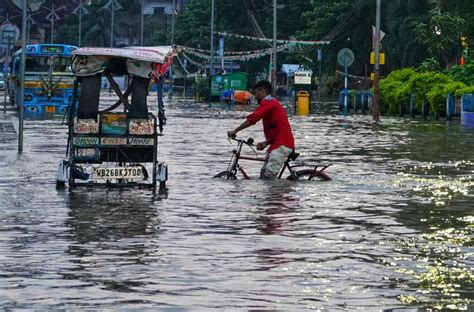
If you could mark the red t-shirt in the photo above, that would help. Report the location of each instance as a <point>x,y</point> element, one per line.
<point>275,123</point>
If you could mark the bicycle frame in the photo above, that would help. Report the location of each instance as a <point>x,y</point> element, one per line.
<point>234,162</point>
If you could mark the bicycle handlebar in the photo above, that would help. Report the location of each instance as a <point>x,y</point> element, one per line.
<point>249,141</point>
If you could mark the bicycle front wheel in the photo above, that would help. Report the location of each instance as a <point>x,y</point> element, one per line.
<point>226,175</point>
<point>309,175</point>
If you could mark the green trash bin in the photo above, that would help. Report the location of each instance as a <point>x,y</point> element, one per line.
<point>235,81</point>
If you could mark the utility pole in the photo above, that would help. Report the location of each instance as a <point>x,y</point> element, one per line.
<point>80,11</point>
<point>22,75</point>
<point>274,61</point>
<point>376,106</point>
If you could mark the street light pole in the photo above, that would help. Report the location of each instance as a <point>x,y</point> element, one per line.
<point>52,25</point>
<point>211,70</point>
<point>80,11</point>
<point>173,19</point>
<point>274,61</point>
<point>112,12</point>
<point>376,107</point>
<point>52,17</point>
<point>80,23</point>
<point>142,4</point>
<point>212,37</point>
<point>21,96</point>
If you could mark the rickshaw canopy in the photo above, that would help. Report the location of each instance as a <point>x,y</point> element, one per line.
<point>146,62</point>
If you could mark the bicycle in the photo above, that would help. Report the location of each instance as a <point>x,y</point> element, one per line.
<point>315,173</point>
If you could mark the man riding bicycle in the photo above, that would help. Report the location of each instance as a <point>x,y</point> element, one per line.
<point>277,130</point>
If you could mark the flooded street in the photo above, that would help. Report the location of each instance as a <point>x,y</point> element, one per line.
<point>393,230</point>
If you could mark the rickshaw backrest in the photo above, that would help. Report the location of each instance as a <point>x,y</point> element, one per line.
<point>138,106</point>
<point>89,97</point>
<point>90,94</point>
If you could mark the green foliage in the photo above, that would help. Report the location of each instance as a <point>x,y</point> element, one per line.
<point>422,83</point>
<point>438,93</point>
<point>429,65</point>
<point>427,87</point>
<point>395,89</point>
<point>463,74</point>
<point>464,90</point>
<point>202,88</point>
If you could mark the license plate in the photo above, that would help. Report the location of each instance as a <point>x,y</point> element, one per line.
<point>117,173</point>
<point>50,109</point>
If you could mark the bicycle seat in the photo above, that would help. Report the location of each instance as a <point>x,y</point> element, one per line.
<point>293,156</point>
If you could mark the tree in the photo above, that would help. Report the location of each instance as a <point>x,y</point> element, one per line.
<point>440,33</point>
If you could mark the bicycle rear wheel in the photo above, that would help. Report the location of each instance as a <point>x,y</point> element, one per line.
<point>309,175</point>
<point>226,175</point>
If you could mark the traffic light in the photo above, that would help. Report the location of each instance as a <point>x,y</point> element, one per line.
<point>463,42</point>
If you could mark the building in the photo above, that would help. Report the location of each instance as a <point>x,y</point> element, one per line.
<point>164,7</point>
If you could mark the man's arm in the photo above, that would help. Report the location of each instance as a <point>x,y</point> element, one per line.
<point>244,125</point>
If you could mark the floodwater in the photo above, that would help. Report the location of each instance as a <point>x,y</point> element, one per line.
<point>393,230</point>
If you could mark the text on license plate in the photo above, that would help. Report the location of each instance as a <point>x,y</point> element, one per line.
<point>117,173</point>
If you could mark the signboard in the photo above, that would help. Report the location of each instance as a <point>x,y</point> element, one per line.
<point>345,57</point>
<point>9,34</point>
<point>141,141</point>
<point>303,77</point>
<point>85,141</point>
<point>113,141</point>
<point>221,47</point>
<point>381,58</point>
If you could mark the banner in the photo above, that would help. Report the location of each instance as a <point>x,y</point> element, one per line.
<point>268,40</point>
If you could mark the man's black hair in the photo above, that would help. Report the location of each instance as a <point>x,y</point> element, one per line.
<point>264,84</point>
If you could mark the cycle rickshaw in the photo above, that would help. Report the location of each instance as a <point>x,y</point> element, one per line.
<point>114,143</point>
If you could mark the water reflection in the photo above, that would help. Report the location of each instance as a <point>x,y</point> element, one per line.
<point>276,210</point>
<point>112,228</point>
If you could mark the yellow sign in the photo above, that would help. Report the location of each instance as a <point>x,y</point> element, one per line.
<point>381,58</point>
<point>372,76</point>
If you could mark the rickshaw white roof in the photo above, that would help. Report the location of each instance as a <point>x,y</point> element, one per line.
<point>140,61</point>
<point>148,54</point>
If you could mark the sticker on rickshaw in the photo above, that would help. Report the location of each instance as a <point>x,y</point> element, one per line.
<point>117,173</point>
<point>141,126</point>
<point>85,152</point>
<point>85,141</point>
<point>141,141</point>
<point>113,123</point>
<point>113,141</point>
<point>86,126</point>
